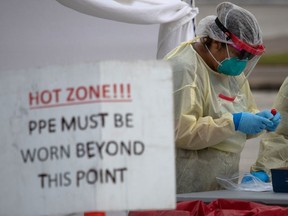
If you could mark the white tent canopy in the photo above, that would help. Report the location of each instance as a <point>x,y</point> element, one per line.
<point>174,16</point>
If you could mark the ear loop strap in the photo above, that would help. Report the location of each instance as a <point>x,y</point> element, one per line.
<point>219,63</point>
<point>227,50</point>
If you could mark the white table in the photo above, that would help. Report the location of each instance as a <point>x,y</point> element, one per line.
<point>268,198</point>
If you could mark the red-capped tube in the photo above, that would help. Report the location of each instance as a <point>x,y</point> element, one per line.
<point>273,111</point>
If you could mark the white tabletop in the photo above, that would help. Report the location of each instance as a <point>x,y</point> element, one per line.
<point>270,197</point>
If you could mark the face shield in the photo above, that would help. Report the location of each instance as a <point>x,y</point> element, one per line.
<point>246,51</point>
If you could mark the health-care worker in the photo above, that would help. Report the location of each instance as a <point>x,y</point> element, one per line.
<point>214,109</point>
<point>273,152</point>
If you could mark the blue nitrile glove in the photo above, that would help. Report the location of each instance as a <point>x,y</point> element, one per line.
<point>250,123</point>
<point>266,114</point>
<point>276,119</point>
<point>261,175</point>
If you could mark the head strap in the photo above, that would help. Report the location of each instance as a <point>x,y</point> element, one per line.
<point>257,50</point>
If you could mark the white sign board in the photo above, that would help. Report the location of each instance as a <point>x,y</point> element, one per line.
<point>90,137</point>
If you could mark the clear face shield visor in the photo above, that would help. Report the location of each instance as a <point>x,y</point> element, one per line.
<point>246,51</point>
<point>252,56</point>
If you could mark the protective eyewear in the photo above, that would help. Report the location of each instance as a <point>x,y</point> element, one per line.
<point>242,53</point>
<point>246,50</point>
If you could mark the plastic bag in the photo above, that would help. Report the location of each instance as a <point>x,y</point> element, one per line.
<point>254,184</point>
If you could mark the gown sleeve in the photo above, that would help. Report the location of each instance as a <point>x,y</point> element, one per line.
<point>195,131</point>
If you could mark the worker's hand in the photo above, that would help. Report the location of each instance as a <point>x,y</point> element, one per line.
<point>275,117</point>
<point>276,121</point>
<point>250,123</point>
<point>265,114</point>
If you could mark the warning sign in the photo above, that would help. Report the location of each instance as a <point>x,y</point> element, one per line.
<point>90,137</point>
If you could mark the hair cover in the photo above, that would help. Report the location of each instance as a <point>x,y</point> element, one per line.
<point>237,20</point>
